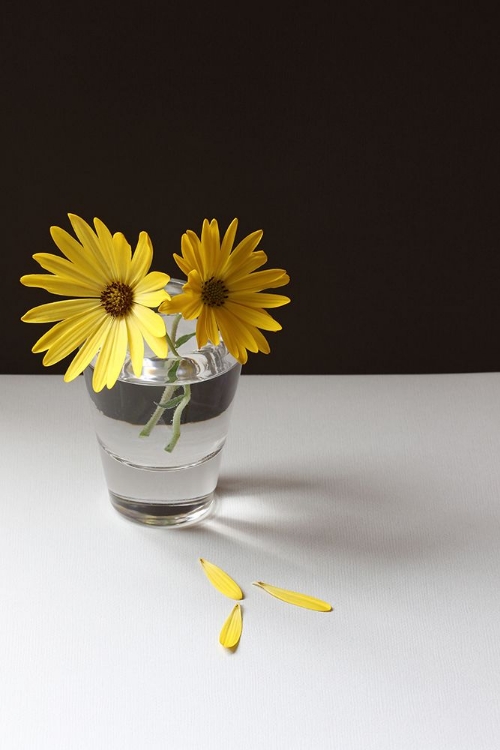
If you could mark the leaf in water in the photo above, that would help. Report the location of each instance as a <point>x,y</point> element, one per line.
<point>231,630</point>
<point>170,404</point>
<point>292,597</point>
<point>182,340</point>
<point>173,371</point>
<point>221,580</point>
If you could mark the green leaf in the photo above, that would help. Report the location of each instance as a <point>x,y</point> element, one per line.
<point>183,339</point>
<point>172,373</point>
<point>170,404</point>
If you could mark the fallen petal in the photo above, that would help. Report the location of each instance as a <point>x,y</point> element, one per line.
<point>221,580</point>
<point>231,630</point>
<point>292,597</point>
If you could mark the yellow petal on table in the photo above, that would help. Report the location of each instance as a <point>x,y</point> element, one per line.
<point>221,580</point>
<point>292,597</point>
<point>231,630</point>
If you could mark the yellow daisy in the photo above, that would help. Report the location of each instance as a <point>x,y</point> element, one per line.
<point>224,292</point>
<point>112,312</point>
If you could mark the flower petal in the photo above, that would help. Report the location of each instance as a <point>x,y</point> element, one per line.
<point>228,241</point>
<point>141,261</point>
<point>240,330</point>
<point>259,299</point>
<point>108,250</point>
<point>194,283</point>
<point>136,345</point>
<point>229,336</point>
<point>123,254</point>
<point>210,240</point>
<point>69,337</point>
<point>255,317</point>
<point>78,255</point>
<point>221,580</point>
<point>188,304</point>
<point>70,328</point>
<point>256,282</point>
<point>89,240</point>
<point>173,306</point>
<point>198,252</point>
<point>245,247</point>
<point>151,299</point>
<point>190,249</point>
<point>182,263</point>
<point>231,630</point>
<point>149,319</point>
<point>254,261</point>
<point>52,311</point>
<point>57,285</point>
<point>100,375</point>
<point>201,328</point>
<point>153,282</point>
<point>157,343</point>
<point>260,340</point>
<point>118,353</point>
<point>111,357</point>
<point>292,597</point>
<point>88,351</point>
<point>64,269</point>
<point>206,328</point>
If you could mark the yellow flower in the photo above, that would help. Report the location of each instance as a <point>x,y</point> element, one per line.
<point>112,313</point>
<point>223,291</point>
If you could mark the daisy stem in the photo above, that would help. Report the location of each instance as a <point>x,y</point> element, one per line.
<point>176,421</point>
<point>169,390</point>
<point>153,421</point>
<point>175,324</point>
<point>173,335</point>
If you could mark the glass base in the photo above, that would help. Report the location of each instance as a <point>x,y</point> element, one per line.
<point>161,496</point>
<point>165,514</point>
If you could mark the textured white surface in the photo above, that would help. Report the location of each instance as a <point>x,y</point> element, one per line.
<point>380,494</point>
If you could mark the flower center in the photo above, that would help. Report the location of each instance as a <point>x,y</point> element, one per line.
<point>117,299</point>
<point>214,292</point>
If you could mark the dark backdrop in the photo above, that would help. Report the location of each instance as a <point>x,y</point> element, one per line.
<point>362,139</point>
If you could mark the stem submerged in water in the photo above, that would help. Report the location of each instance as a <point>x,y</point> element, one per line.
<point>167,401</point>
<point>176,421</point>
<point>158,412</point>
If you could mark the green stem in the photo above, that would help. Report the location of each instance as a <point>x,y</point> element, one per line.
<point>172,346</point>
<point>176,421</point>
<point>169,390</point>
<point>166,400</point>
<point>158,412</point>
<point>170,404</point>
<point>175,325</point>
<point>173,335</point>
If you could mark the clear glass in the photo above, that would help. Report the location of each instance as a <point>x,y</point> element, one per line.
<point>149,479</point>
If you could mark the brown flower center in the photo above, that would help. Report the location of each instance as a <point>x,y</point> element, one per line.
<point>117,299</point>
<point>214,293</point>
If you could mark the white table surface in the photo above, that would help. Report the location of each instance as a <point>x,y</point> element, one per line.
<point>380,494</point>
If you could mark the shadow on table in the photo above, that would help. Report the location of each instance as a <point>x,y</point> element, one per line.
<point>390,514</point>
<point>386,517</point>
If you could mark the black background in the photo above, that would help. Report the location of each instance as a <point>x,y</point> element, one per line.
<point>363,139</point>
